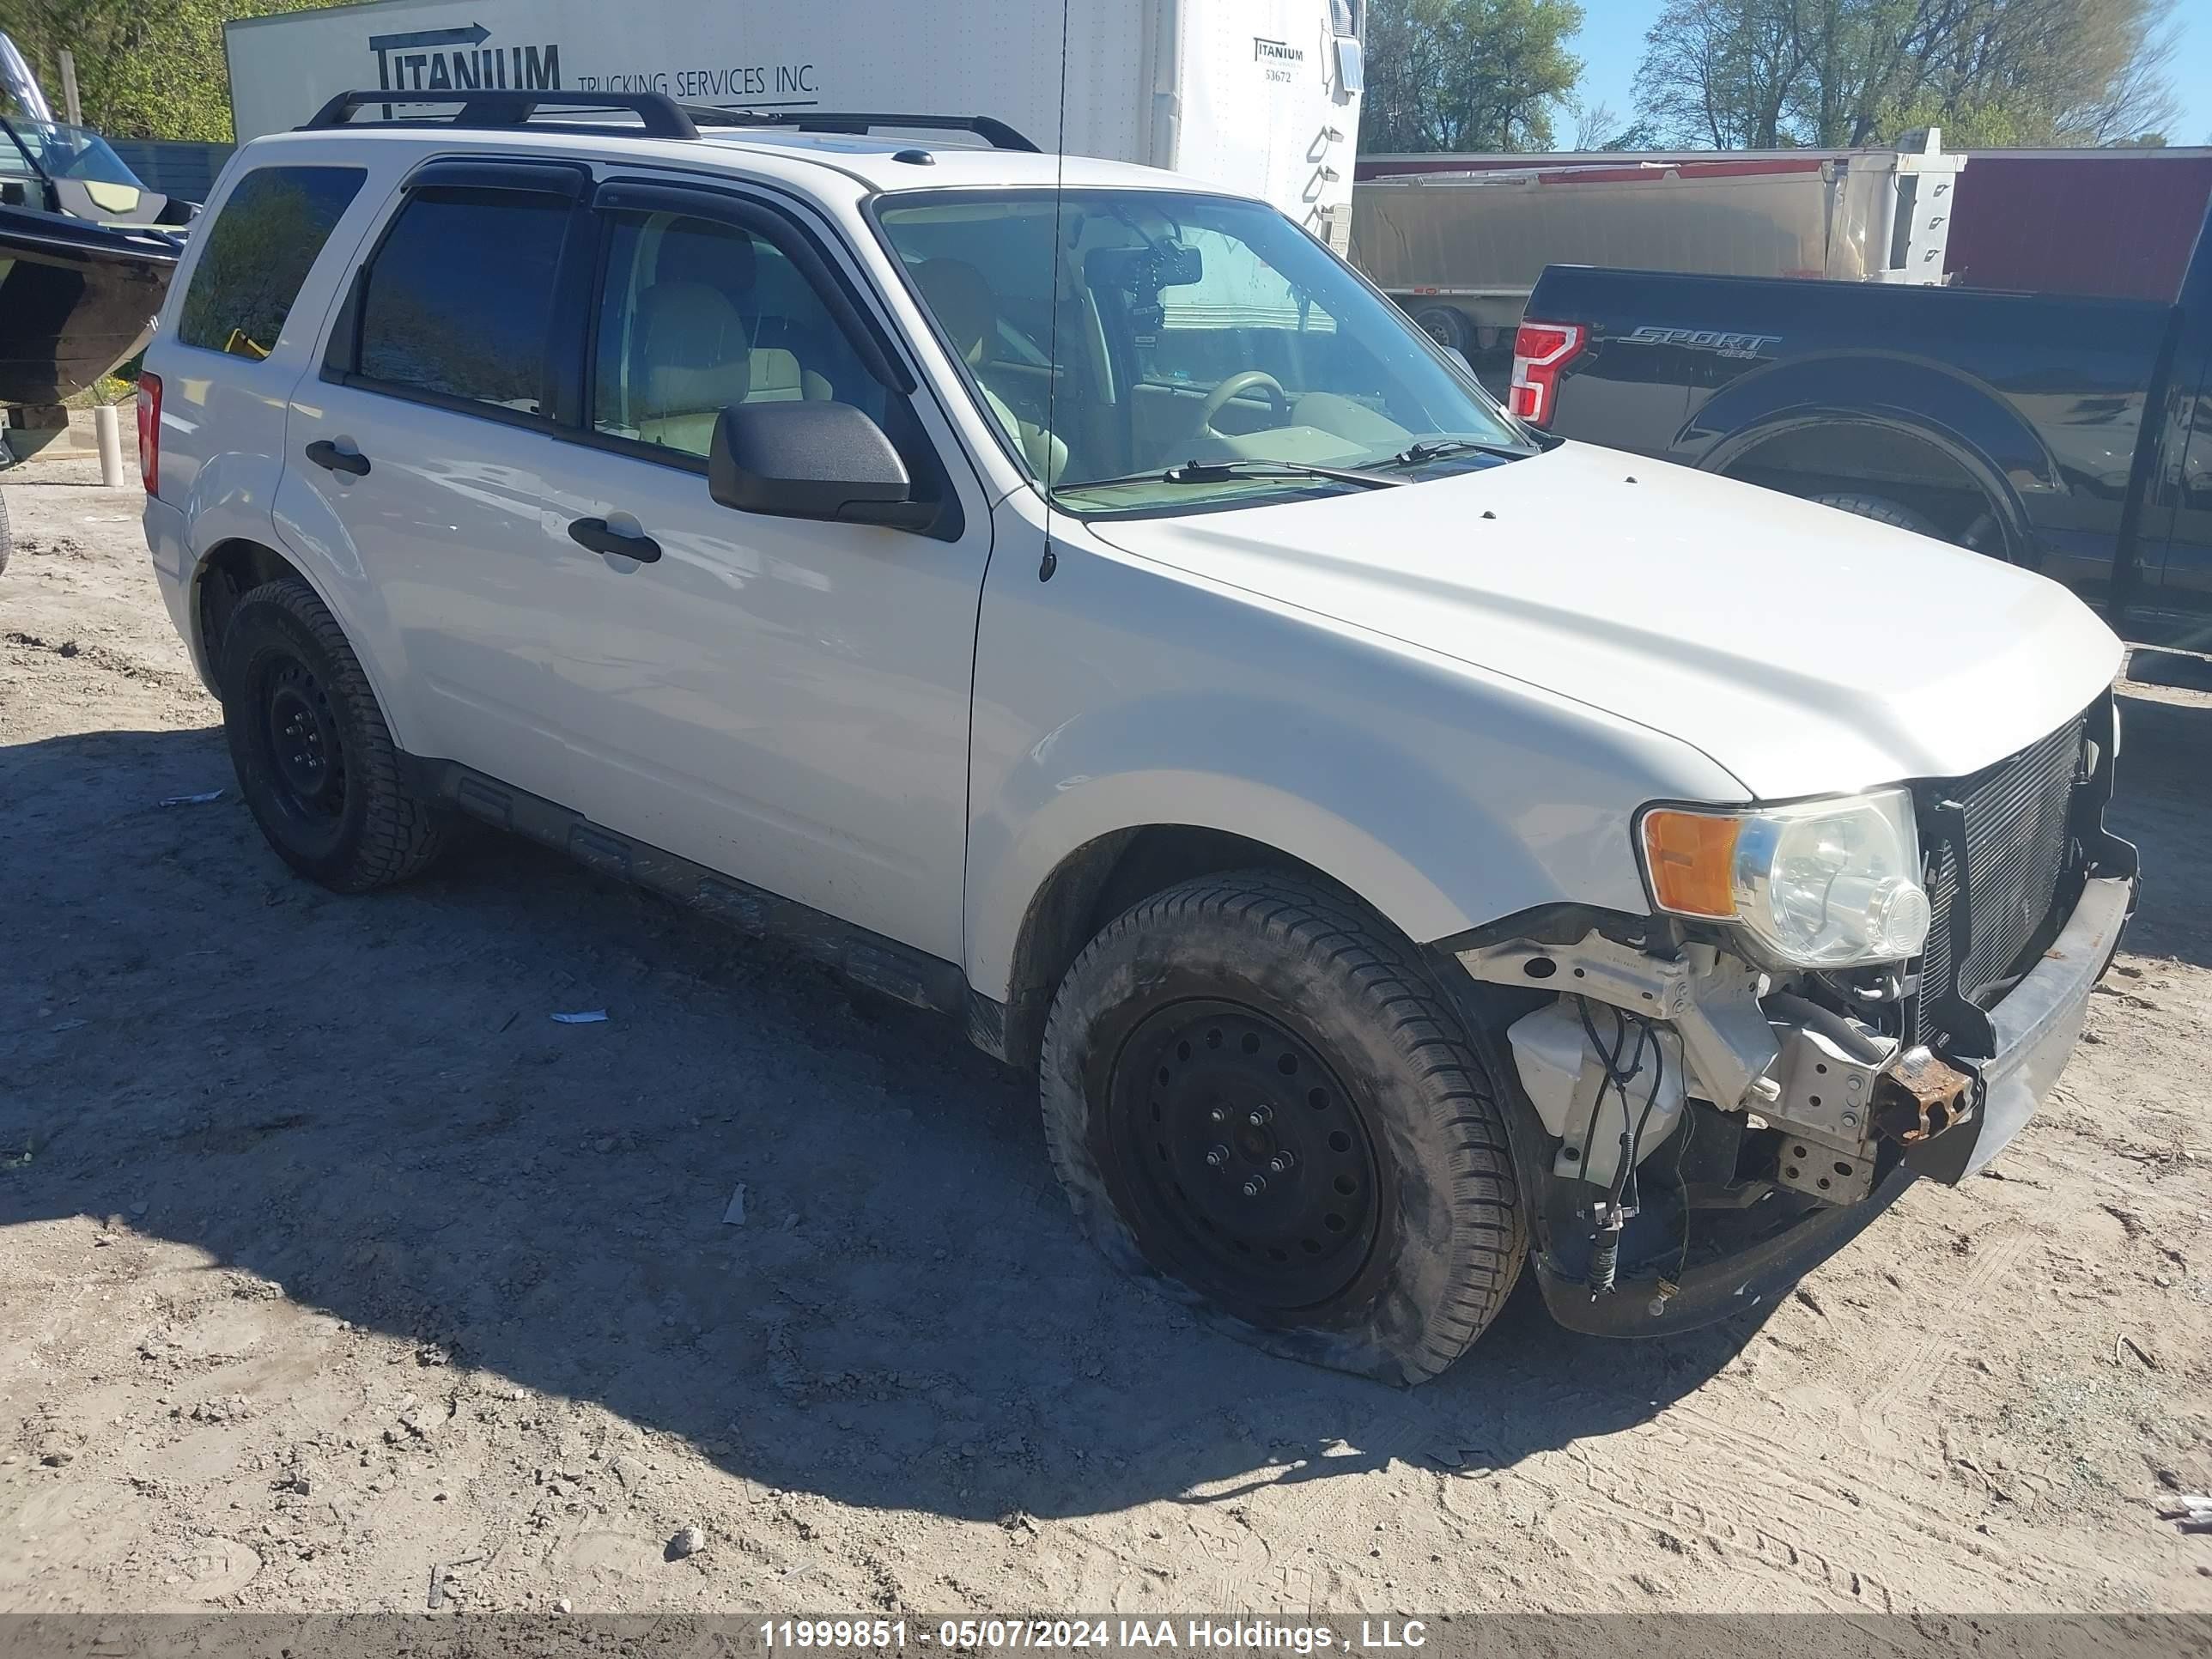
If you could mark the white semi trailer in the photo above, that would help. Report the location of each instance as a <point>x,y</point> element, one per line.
<point>1259,96</point>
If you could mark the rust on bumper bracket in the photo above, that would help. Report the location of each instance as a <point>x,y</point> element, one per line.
<point>1922,1096</point>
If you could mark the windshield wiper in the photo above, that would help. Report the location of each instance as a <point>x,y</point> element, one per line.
<point>1204,473</point>
<point>1434,449</point>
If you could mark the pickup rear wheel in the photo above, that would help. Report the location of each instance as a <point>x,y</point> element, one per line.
<point>1882,510</point>
<point>314,758</point>
<point>1254,1090</point>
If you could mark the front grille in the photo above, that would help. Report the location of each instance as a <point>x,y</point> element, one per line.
<point>1996,846</point>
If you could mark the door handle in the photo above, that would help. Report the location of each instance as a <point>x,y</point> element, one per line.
<point>328,456</point>
<point>594,534</point>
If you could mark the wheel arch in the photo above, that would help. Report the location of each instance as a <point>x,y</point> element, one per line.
<point>1954,420</point>
<point>232,567</point>
<point>225,574</point>
<point>1098,880</point>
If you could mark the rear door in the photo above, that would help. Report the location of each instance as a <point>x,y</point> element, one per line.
<point>422,457</point>
<point>2177,511</point>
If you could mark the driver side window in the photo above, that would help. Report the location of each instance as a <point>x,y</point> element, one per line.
<point>697,315</point>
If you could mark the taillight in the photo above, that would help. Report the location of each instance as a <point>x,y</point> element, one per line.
<point>149,432</point>
<point>1540,350</point>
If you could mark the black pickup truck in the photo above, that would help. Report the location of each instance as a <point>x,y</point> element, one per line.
<point>2070,435</point>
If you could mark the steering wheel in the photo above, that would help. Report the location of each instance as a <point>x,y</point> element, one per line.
<point>1242,382</point>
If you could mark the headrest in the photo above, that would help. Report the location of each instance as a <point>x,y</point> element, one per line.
<point>966,308</point>
<point>716,256</point>
<point>689,325</point>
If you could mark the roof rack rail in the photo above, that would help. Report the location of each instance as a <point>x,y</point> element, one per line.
<point>994,132</point>
<point>661,117</point>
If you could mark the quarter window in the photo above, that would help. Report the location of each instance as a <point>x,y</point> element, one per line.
<point>458,300</point>
<point>696,315</point>
<point>256,255</point>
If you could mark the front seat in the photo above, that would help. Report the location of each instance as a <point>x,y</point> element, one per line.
<point>694,346</point>
<point>691,350</point>
<point>968,311</point>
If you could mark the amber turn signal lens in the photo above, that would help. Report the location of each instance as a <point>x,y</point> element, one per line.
<point>1691,858</point>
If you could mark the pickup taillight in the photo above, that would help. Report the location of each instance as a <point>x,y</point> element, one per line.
<point>150,433</point>
<point>1540,351</point>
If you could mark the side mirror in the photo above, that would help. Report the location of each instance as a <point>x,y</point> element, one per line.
<point>811,460</point>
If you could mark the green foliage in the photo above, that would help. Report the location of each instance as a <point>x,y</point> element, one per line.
<point>1765,74</point>
<point>145,68</point>
<point>1466,74</point>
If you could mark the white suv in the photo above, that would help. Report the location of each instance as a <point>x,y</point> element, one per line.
<point>1072,598</point>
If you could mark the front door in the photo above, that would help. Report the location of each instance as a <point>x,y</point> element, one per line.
<point>782,700</point>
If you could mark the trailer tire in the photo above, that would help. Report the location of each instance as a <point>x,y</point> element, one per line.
<point>1448,326</point>
<point>1882,510</point>
<point>1361,1145</point>
<point>3,532</point>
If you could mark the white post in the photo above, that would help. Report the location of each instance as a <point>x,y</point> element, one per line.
<point>107,428</point>
<point>70,110</point>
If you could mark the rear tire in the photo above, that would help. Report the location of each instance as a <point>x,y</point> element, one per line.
<point>1225,1022</point>
<point>3,532</point>
<point>1448,327</point>
<point>315,760</point>
<point>1882,510</point>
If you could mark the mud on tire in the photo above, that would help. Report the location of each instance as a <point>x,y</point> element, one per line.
<point>314,758</point>
<point>1225,1023</point>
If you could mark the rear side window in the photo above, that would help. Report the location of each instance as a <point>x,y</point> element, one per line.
<point>458,300</point>
<point>257,254</point>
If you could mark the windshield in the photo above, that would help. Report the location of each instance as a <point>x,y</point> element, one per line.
<point>62,151</point>
<point>1180,329</point>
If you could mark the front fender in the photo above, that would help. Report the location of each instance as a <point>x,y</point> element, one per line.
<point>1370,817</point>
<point>1123,693</point>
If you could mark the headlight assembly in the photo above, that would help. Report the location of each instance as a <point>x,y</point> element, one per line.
<point>1829,884</point>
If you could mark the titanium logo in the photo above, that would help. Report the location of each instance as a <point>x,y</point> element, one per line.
<point>1706,339</point>
<point>457,60</point>
<point>1277,58</point>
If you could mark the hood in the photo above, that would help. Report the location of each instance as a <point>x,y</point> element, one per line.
<point>1805,650</point>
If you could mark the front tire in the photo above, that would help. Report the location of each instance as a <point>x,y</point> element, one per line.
<point>1256,1090</point>
<point>315,760</point>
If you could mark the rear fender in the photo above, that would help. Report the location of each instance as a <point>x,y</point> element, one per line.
<point>1961,419</point>
<point>230,501</point>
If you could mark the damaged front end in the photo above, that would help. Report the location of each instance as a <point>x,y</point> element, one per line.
<point>1699,1122</point>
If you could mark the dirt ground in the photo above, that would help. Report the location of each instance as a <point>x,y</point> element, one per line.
<point>336,1274</point>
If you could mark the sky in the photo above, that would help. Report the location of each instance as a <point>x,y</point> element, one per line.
<point>1611,44</point>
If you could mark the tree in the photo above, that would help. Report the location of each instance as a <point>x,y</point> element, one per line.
<point>145,68</point>
<point>1722,72</point>
<point>1598,127</point>
<point>1760,74</point>
<point>1466,74</point>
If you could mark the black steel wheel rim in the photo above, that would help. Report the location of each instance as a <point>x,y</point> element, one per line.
<point>1247,1165</point>
<point>299,740</point>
